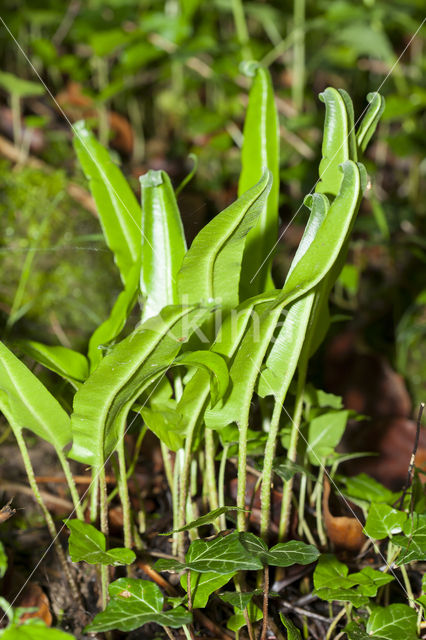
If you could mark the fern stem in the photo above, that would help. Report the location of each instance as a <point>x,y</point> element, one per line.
<point>71,485</point>
<point>211,472</point>
<point>124,495</point>
<point>292,453</point>
<point>105,530</point>
<point>48,518</point>
<point>221,484</point>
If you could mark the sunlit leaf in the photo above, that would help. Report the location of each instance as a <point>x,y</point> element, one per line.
<point>210,269</point>
<point>260,149</point>
<point>67,363</point>
<point>101,405</point>
<point>383,521</point>
<point>27,404</point>
<point>163,244</point>
<point>119,212</point>
<point>370,120</point>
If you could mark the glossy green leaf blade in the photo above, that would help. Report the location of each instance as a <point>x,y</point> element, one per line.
<point>414,540</point>
<point>163,245</point>
<point>132,604</point>
<point>333,582</point>
<point>87,544</point>
<point>203,585</point>
<point>282,360</point>
<point>208,518</point>
<point>335,146</point>
<point>211,267</point>
<point>312,266</point>
<point>260,149</point>
<point>394,622</point>
<point>110,329</point>
<point>370,120</point>
<point>238,599</point>
<point>102,403</point>
<point>352,146</point>
<point>366,488</point>
<point>330,237</point>
<point>169,564</point>
<point>239,619</point>
<point>215,367</point>
<point>383,521</point>
<point>221,555</point>
<point>325,433</point>
<point>169,421</point>
<point>231,332</point>
<point>67,363</point>
<point>27,404</point>
<point>119,212</point>
<point>245,368</point>
<point>167,424</point>
<point>286,554</point>
<point>293,632</point>
<point>283,554</point>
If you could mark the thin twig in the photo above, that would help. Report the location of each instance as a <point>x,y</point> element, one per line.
<point>409,480</point>
<point>265,601</point>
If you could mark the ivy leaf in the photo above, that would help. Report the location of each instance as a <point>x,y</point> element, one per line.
<point>208,518</point>
<point>325,432</point>
<point>169,564</point>
<point>368,489</point>
<point>239,600</point>
<point>203,585</point>
<point>370,580</point>
<point>286,554</point>
<point>393,622</point>
<point>356,631</point>
<point>132,604</point>
<point>221,555</point>
<point>293,632</point>
<point>88,544</point>
<point>283,554</point>
<point>383,521</point>
<point>414,540</point>
<point>224,554</point>
<point>332,582</point>
<point>237,621</point>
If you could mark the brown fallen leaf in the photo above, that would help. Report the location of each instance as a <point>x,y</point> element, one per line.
<point>6,512</point>
<point>344,532</point>
<point>34,596</point>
